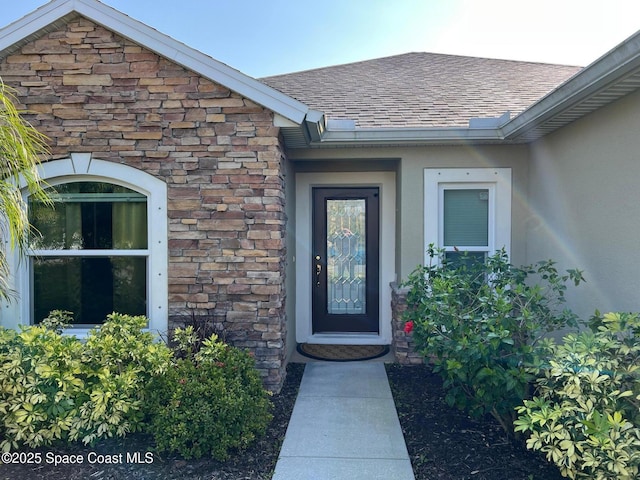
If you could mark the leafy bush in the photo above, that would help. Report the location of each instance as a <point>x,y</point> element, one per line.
<point>480,322</point>
<point>586,417</point>
<point>209,402</point>
<point>54,386</point>
<point>41,375</point>
<point>120,359</point>
<point>57,320</point>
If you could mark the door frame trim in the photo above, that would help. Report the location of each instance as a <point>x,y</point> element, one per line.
<point>305,181</point>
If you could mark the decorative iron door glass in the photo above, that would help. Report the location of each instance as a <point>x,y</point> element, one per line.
<point>346,255</point>
<point>345,260</point>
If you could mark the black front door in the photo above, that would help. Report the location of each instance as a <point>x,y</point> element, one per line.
<point>345,258</point>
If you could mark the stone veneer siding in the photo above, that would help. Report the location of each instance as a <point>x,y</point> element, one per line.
<point>403,345</point>
<point>220,155</point>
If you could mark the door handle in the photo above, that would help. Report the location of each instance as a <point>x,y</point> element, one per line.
<point>318,270</point>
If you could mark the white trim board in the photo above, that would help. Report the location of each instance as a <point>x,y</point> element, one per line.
<point>81,167</point>
<point>497,180</point>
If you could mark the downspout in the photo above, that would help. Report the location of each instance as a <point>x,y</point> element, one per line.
<point>315,125</point>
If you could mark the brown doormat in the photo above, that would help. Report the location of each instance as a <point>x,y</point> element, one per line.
<point>342,353</point>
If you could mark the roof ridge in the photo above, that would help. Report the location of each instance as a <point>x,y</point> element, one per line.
<point>414,53</point>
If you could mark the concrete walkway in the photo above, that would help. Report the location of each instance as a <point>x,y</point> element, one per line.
<point>344,426</point>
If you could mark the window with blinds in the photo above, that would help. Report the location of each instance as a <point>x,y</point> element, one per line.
<point>465,219</point>
<point>467,211</point>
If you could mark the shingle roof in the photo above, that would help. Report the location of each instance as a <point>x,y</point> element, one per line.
<point>422,89</point>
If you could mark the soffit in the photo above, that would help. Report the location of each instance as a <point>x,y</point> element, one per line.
<point>609,94</point>
<point>606,80</point>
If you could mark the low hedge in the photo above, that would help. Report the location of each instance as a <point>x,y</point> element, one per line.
<point>206,398</point>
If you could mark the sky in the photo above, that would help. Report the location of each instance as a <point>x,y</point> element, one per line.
<point>269,37</point>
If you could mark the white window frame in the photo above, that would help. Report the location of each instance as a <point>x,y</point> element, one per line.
<point>83,168</point>
<point>496,180</point>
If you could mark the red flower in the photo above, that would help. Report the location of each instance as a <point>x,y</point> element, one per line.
<point>408,327</point>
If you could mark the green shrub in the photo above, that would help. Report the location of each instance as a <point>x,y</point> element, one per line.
<point>586,417</point>
<point>479,323</point>
<point>120,360</point>
<point>55,386</point>
<point>41,378</point>
<point>208,403</point>
<point>57,320</point>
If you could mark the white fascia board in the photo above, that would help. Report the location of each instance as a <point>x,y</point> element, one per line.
<point>395,136</point>
<point>159,43</point>
<point>34,21</point>
<point>605,71</point>
<point>280,121</point>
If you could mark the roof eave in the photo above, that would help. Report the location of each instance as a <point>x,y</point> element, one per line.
<point>159,43</point>
<point>612,76</point>
<point>607,79</point>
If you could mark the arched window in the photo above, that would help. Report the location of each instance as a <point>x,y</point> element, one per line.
<point>102,248</point>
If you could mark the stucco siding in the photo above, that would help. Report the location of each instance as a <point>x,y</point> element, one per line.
<point>412,195</point>
<point>409,167</point>
<point>585,205</point>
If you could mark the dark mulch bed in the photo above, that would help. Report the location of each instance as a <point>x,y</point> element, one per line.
<point>444,443</point>
<point>255,463</point>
